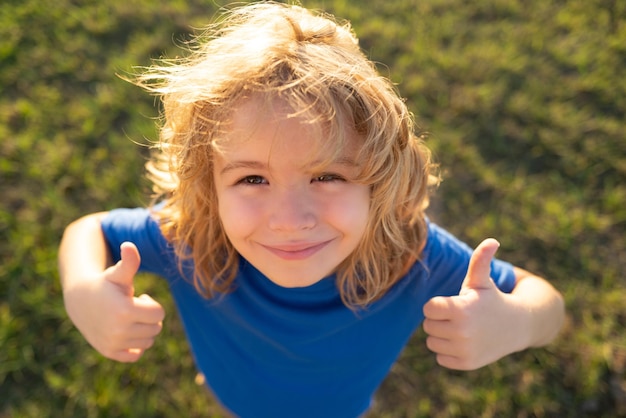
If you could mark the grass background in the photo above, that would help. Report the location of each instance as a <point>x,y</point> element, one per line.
<point>526,102</point>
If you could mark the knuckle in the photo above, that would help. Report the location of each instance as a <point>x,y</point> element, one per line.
<point>162,315</point>
<point>463,315</point>
<point>123,314</point>
<point>465,336</point>
<point>426,325</point>
<point>117,333</point>
<point>443,361</point>
<point>430,344</point>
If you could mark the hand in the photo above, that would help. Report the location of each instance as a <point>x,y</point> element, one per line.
<point>117,324</point>
<point>478,326</point>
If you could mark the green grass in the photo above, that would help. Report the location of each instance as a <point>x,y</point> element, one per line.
<point>525,102</point>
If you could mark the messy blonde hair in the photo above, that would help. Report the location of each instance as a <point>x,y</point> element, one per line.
<point>314,63</point>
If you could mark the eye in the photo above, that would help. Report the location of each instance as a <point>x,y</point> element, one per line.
<point>325,178</point>
<point>252,180</point>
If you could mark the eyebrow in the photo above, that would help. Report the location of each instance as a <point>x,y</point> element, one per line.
<point>242,164</point>
<point>257,165</point>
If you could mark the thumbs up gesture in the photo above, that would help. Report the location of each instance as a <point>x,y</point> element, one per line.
<point>115,322</point>
<point>473,328</point>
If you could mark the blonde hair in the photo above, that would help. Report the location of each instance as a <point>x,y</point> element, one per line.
<point>314,63</point>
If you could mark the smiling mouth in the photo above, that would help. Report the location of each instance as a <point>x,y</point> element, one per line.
<point>296,252</point>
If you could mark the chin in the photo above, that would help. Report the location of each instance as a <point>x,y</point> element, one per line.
<point>293,279</point>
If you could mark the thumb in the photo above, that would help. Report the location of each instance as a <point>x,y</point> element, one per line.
<point>479,270</point>
<point>123,273</point>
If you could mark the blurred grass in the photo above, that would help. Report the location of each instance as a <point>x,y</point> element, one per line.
<point>526,105</point>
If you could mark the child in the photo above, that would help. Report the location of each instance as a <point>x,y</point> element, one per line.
<point>291,230</point>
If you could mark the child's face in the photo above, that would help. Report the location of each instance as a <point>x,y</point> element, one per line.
<point>294,222</point>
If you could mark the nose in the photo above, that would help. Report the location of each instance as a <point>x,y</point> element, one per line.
<point>293,209</point>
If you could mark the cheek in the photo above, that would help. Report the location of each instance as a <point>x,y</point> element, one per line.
<point>351,212</point>
<point>239,216</point>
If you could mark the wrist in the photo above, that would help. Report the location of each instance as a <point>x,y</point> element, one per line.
<point>538,320</point>
<point>522,323</point>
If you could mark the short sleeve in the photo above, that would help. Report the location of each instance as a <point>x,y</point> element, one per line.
<point>447,259</point>
<point>139,227</point>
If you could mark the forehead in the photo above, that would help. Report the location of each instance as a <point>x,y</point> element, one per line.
<point>270,128</point>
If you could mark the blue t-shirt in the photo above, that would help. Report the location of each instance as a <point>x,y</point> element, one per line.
<point>270,351</point>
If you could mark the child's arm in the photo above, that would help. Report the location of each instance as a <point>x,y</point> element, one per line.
<point>483,324</point>
<point>99,297</point>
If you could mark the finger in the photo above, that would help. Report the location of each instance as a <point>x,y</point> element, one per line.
<point>440,345</point>
<point>144,330</point>
<point>147,310</point>
<point>440,329</point>
<point>458,363</point>
<point>126,337</point>
<point>123,273</point>
<point>141,343</point>
<point>126,356</point>
<point>439,308</point>
<point>479,269</point>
